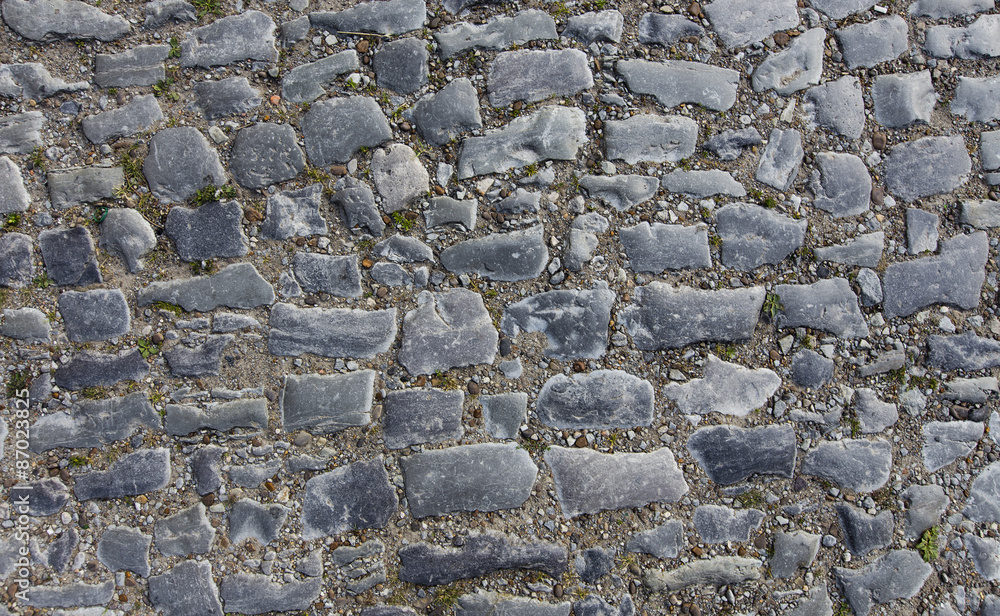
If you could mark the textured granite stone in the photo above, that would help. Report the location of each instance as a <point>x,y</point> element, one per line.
<point>575,322</point>
<point>333,332</point>
<point>729,454</point>
<point>420,416</point>
<point>352,497</point>
<point>603,399</point>
<point>235,286</point>
<point>534,75</point>
<point>143,471</point>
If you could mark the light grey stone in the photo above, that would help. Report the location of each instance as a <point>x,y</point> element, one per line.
<point>727,388</point>
<point>870,286</point>
<point>729,454</point>
<point>159,12</point>
<point>13,195</point>
<point>587,481</point>
<point>702,184</point>
<point>575,322</point>
<point>779,164</point>
<point>983,214</point>
<point>250,519</point>
<point>444,211</point>
<point>717,571</point>
<point>69,256</point>
<point>486,603</point>
<point>977,98</point>
<point>419,416</point>
<point>21,133</point>
<point>357,205</point>
<point>913,401</point>
<point>246,36</point>
<point>552,133</point>
<point>662,316</point>
<point>678,81</point>
<point>792,551</point>
<point>864,250</point>
<point>979,40</point>
<point>205,469</point>
<point>234,286</point>
<point>873,415</point>
<point>650,138</point>
<point>717,524</point>
<point>922,230</point>
<point>307,82</point>
<point>836,105</point>
<point>582,245</point>
<point>938,9</point>
<point>842,184</point>
<point>124,549</point>
<point>387,18</point>
<point>312,564</point>
<point>142,113</point>
<point>252,475</point>
<point>599,26</point>
<point>811,370</point>
<point>293,213</point>
<point>665,30</point>
<point>828,305</point>
<point>966,352</point>
<point>89,369</point>
<point>32,81</point>
<point>839,9</point>
<point>72,187</point>
<point>954,277</point>
<point>862,532</point>
<point>26,324</point>
<point>351,497</point>
<point>69,595</point>
<point>874,42</point>
<point>903,99</point>
<point>336,128</point>
<point>403,249</point>
<point>447,330</point>
<point>989,149</point>
<point>985,555</point>
<point>621,192</point>
<point>853,464</point>
<point>180,162</point>
<point>753,236</point>
<point>182,420</point>
<point>973,391</point>
<point>603,399</point>
<point>497,33</point>
<point>143,471</point>
<point>48,20</point>
<point>927,166</point>
<point>265,154</point>
<point>661,247</point>
<point>399,176</point>
<point>926,504</point>
<point>664,541</point>
<point>252,593</point>
<point>390,274</point>
<point>200,360</point>
<point>186,588</point>
<point>444,115</point>
<point>946,441</point>
<point>128,236</point>
<point>795,68</point>
<point>336,275</point>
<point>503,414</point>
<point>140,66</point>
<point>188,531</point>
<point>401,65</point>
<point>729,144</point>
<point>741,22</point>
<point>519,255</point>
<point>95,315</point>
<point>899,574</point>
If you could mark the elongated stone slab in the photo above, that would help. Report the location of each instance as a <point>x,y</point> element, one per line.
<point>854,464</point>
<point>143,471</point>
<point>662,316</point>
<point>353,497</point>
<point>898,574</point>
<point>246,36</point>
<point>927,166</point>
<point>650,138</point>
<point>140,66</point>
<point>551,133</point>
<point>979,40</point>
<point>717,524</point>
<point>306,82</point>
<point>575,322</point>
<point>252,593</point>
<point>447,330</point>
<point>418,416</point>
<point>403,249</point>
<point>99,370</point>
<point>333,332</point>
<point>938,9</point>
<point>94,315</point>
<point>588,481</point>
<point>702,183</point>
<point>481,554</point>
<point>70,187</point>
<point>93,423</point>
<point>32,81</point>
<point>327,403</point>
<point>531,76</point>
<point>336,128</point>
<point>828,305</point>
<point>27,324</point>
<point>963,352</point>
<point>954,277</point>
<point>781,159</point>
<point>70,595</point>
<point>729,454</point>
<point>201,360</point>
<point>142,113</point>
<point>665,30</point>
<point>334,274</point>
<point>865,250</point>
<point>48,20</point>
<point>388,18</point>
<point>718,571</point>
<point>235,286</point>
<point>753,236</point>
<point>182,419</point>
<point>620,191</point>
<point>21,133</point>
<point>658,247</point>
<point>678,81</point>
<point>795,68</point>
<point>983,214</point>
<point>497,33</point>
<point>603,399</point>
<point>484,477</point>
<point>946,441</point>
<point>519,255</point>
<point>187,588</point>
<point>727,388</point>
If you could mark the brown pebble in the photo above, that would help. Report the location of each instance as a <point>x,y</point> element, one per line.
<point>878,195</point>
<point>157,338</point>
<point>121,98</point>
<point>64,474</point>
<point>477,412</point>
<point>420,381</point>
<point>598,124</point>
<point>362,46</point>
<point>141,499</point>
<point>129,583</point>
<point>579,366</point>
<point>518,105</point>
<point>208,500</point>
<point>694,9</point>
<point>54,472</point>
<point>879,140</point>
<point>742,551</point>
<point>302,438</point>
<point>410,215</point>
<point>300,241</point>
<point>557,590</point>
<point>581,442</point>
<point>697,551</point>
<point>773,353</point>
<point>781,38</point>
<point>269,485</point>
<point>405,126</point>
<point>474,388</point>
<point>439,189</point>
<point>123,598</point>
<point>338,170</point>
<point>695,610</point>
<point>381,292</point>
<point>632,588</point>
<point>436,22</point>
<point>367,263</point>
<point>760,542</point>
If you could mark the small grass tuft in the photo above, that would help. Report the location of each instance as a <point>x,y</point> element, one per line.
<point>148,348</point>
<point>208,7</point>
<point>43,281</point>
<point>401,221</point>
<point>772,305</point>
<point>928,545</point>
<point>174,308</point>
<point>11,221</point>
<point>78,461</point>
<point>175,47</point>
<point>18,381</point>
<point>94,393</point>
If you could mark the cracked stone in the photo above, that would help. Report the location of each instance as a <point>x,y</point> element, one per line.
<point>142,113</point>
<point>717,524</point>
<point>664,541</point>
<point>864,250</point>
<point>665,30</point>
<point>327,403</point>
<point>702,184</point>
<point>188,531</point>
<point>836,105</point>
<point>183,419</point>
<point>89,369</point>
<point>126,234</point>
<point>247,36</point>
<point>69,256</point>
<point>449,112</point>
<point>386,18</point>
<point>842,184</point>
<point>481,554</point>
<point>899,574</point>
<point>49,20</point>
<point>307,82</point>
<point>334,274</point>
<point>979,40</point>
<point>717,571</point>
<point>497,33</point>
<point>186,588</point>
<point>251,593</point>
<point>357,205</point>
<point>333,332</point>
<point>446,330</point>
<point>200,360</point>
<point>727,388</point>
<point>140,66</point>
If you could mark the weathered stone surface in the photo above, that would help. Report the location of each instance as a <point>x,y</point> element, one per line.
<point>954,277</point>
<point>265,154</point>
<point>69,256</point>
<point>781,159</point>
<point>401,65</point>
<point>294,213</point>
<point>56,554</point>
<point>334,332</point>
<point>874,42</point>
<point>926,504</point>
<point>205,469</point>
<point>250,519</point>
<point>984,496</point>
<point>336,128</point>
<point>665,30</point>
<point>445,211</point>
<point>795,68</point>
<point>836,105</point>
<point>13,196</point>
<point>740,22</point>
<point>188,531</point>
<point>497,33</point>
<point>839,9</point>
<point>717,524</point>
<point>575,322</point>
<point>791,551</point>
<point>390,274</point>
<point>251,593</point>
<point>336,275</point>
<point>587,481</point>
<point>357,205</point>
<point>661,247</point>
<point>897,575</point>
<point>503,414</point>
<point>599,26</point>
<point>159,12</point>
<point>842,184</point>
<point>179,163</point>
<point>492,603</point>
<point>977,98</point>
<point>493,477</point>
<point>90,369</point>
<point>217,99</point>
<point>200,360</point>
<point>873,415</point>
<point>551,133</point>
<point>246,36</point>
<point>403,249</point>
<point>481,554</point>
<point>21,133</point>
<point>140,66</point>
<point>145,470</point>
<point>664,541</point>
<point>187,588</point>
<point>718,571</point>
<point>226,322</point>
<point>621,192</point>
<point>307,82</point>
<point>967,352</point>
<point>446,330</point>
<point>938,9</point>
<point>946,441</point>
<point>927,166</point>
<point>981,214</point>
<point>418,416</point>
<point>327,403</point>
<point>864,250</point>
<point>922,230</point>
<point>70,595</point>
<point>94,315</point>
<point>143,113</point>
<point>593,564</point>
<point>702,183</point>
<point>854,464</point>
<point>582,245</point>
<point>519,255</point>
<point>727,388</point>
<point>32,81</point>
<point>532,76</point>
<point>235,286</point>
<point>399,176</point>
<point>901,100</point>
<point>862,532</point>
<point>253,475</point>
<point>972,391</point>
<point>207,232</point>
<point>603,399</point>
<point>650,138</point>
<point>451,111</point>
<point>45,497</point>
<point>729,144</point>
<point>126,234</point>
<point>26,324</point>
<point>730,455</point>
<point>391,17</point>
<point>124,549</point>
<point>351,497</point>
<point>662,316</point>
<point>753,236</point>
<point>978,40</point>
<point>48,20</point>
<point>71,187</point>
<point>985,555</point>
<point>678,81</point>
<point>182,420</point>
<point>828,305</point>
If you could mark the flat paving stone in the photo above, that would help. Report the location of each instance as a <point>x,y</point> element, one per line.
<point>421,416</point>
<point>946,441</point>
<point>161,12</point>
<point>658,247</point>
<point>729,454</point>
<point>387,18</point>
<point>211,231</point>
<point>21,133</point>
<point>70,595</point>
<point>90,369</point>
<point>72,187</point>
<point>678,81</point>
<point>265,154</point>
<point>231,96</point>
<point>253,593</point>
<point>185,588</point>
<point>504,413</point>
<point>702,184</point>
<point>251,519</point>
<point>967,352</point>
<point>665,30</point>
<point>864,533</point>
<point>140,472</point>
<point>182,419</point>
<point>603,399</point>
<point>125,549</point>
<point>45,497</point>
<point>399,177</point>
<point>664,541</point>
<point>976,98</point>
<point>493,477</point>
<point>588,482</point>
<point>864,250</point>
<point>13,195</point>
<point>781,159</point>
<point>239,285</point>
<point>842,184</point>
<point>716,571</point>
<point>593,564</point>
<point>32,81</point>
<point>342,332</point>
<point>142,65</point>
<point>596,26</point>
<point>26,324</point>
<point>294,213</point>
<point>337,275</point>
<point>327,403</point>
<point>984,554</point>
<point>69,256</point>
<point>447,212</point>
<point>729,144</point>
<point>650,138</point>
<point>481,554</point>
<point>717,524</point>
<point>142,113</point>
<point>872,43</point>
<point>497,33</point>
<point>247,36</point>
<point>873,415</point>
<point>978,40</point>
<point>95,315</point>
<point>356,203</point>
<point>126,234</point>
<point>205,469</point>
<point>829,305</point>
<point>449,112</point>
<point>740,23</point>
<point>839,9</point>
<point>858,465</point>
<point>726,388</point>
<point>922,230</point>
<point>753,236</point>
<point>938,9</point>
<point>519,255</point>
<point>795,68</point>
<point>188,531</point>
<point>495,603</point>
<point>621,192</point>
<point>352,497</point>
<point>907,170</point>
<point>200,360</point>
<point>836,105</point>
<point>307,82</point>
<point>401,65</point>
<point>336,128</point>
<point>446,330</point>
<point>575,322</point>
<point>253,475</point>
<point>903,99</point>
<point>981,214</point>
<point>899,574</point>
<point>926,504</point>
<point>49,20</point>
<point>792,551</point>
<point>180,162</point>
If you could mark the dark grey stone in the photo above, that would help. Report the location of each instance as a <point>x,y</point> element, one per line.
<point>661,247</point>
<point>575,322</point>
<point>205,469</point>
<point>553,132</point>
<point>188,531</point>
<point>603,399</point>
<point>179,163</point>
<point>898,574</point>
<point>621,192</point>
<point>187,588</point>
<point>486,603</point>
<point>389,610</point>
<point>145,470</point>
<point>13,195</point>
<point>444,115</point>
<point>444,211</point>
<point>336,128</point>
<point>159,12</point>
<point>482,553</point>
<point>853,464</point>
<point>717,524</point>
<point>352,497</point>
<point>387,18</point>
<point>265,154</point>
<point>839,9</point>
<point>403,249</point>
<point>251,593</point>
<point>874,42</point>
<point>70,595</point>
<point>862,532</point>
<point>48,20</point>
<point>214,230</point>
<point>447,330</point>
<point>981,214</point>
<point>779,164</point>
<point>200,360</point>
<point>493,477</point>
<point>865,250</point>
<point>838,106</point>
<point>922,230</point>
<point>519,255</point>
<point>587,481</point>
<point>69,256</point>
<point>702,183</point>
<point>32,81</point>
<point>841,184</point>
<point>593,564</point>
<point>828,305</point>
<point>128,236</point>
<point>182,419</point>
<point>534,75</point>
<point>99,370</point>
<point>249,519</point>
<point>246,36</point>
<point>594,605</point>
<point>140,66</point>
<point>926,504</point>
<point>985,556</point>
<point>45,497</point>
<point>664,541</point>
<point>717,571</point>
<point>71,187</point>
<point>753,236</point>
<point>334,332</point>
<point>401,65</point>
<point>976,98</point>
<point>742,22</point>
<point>927,166</point>
<point>419,416</point>
<point>729,454</point>
<point>967,352</point>
<point>791,551</point>
<point>21,133</point>
<point>235,286</point>
<point>503,414</point>
<point>596,26</point>
<point>903,99</point>
<point>26,324</point>
<point>946,441</point>
<point>390,274</point>
<point>125,549</point>
<point>729,144</point>
<point>294,213</point>
<point>94,315</point>
<point>336,275</point>
<point>983,504</point>
<point>498,33</point>
<point>795,68</point>
<point>327,403</point>
<point>357,205</point>
<point>650,138</point>
<point>252,475</point>
<point>143,113</point>
<point>870,286</point>
<point>938,9</point>
<point>727,388</point>
<point>665,30</point>
<point>954,277</point>
<point>56,554</point>
<point>811,370</point>
<point>978,40</point>
<point>307,82</point>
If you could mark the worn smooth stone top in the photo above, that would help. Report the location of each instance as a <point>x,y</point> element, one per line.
<point>795,68</point>
<point>519,255</point>
<point>388,18</point>
<point>336,128</point>
<point>678,81</point>
<point>927,166</point>
<point>497,33</point>
<point>575,322</point>
<point>727,388</point>
<point>447,330</point>
<point>603,399</point>
<point>235,286</point>
<point>729,454</point>
<point>327,403</point>
<point>742,22</point>
<point>334,332</point>
<point>247,36</point>
<point>532,76</point>
<point>858,465</point>
<point>145,470</point>
<point>47,20</point>
<point>828,305</point>
<point>964,352</point>
<point>753,236</point>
